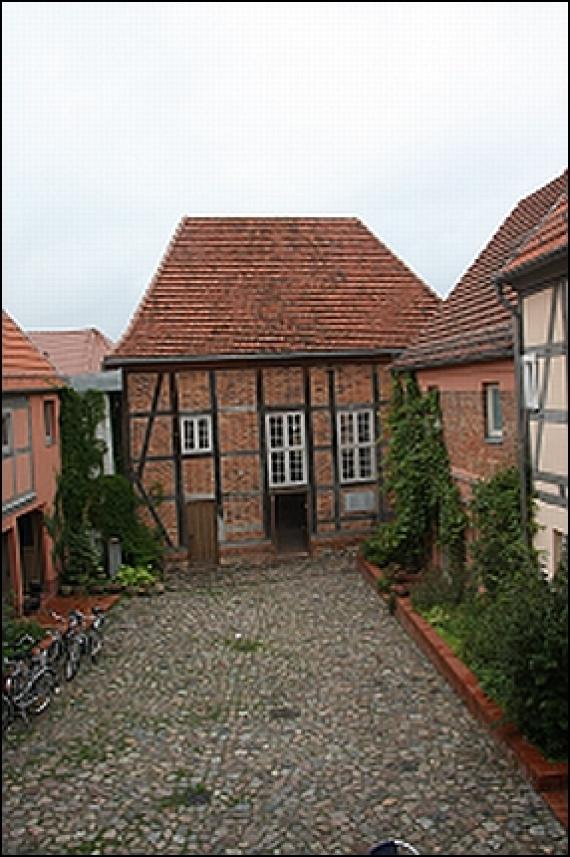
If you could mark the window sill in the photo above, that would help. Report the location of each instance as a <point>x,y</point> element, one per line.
<point>494,441</point>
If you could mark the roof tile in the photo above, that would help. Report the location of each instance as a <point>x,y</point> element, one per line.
<point>23,367</point>
<point>73,352</point>
<point>471,324</point>
<point>253,285</point>
<point>549,237</point>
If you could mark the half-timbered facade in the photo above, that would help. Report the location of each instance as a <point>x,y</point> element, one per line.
<point>467,353</point>
<point>538,273</point>
<point>254,374</point>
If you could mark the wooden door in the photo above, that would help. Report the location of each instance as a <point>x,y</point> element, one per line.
<point>202,531</point>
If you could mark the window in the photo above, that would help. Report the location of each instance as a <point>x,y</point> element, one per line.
<point>286,446</point>
<point>196,435</point>
<point>493,412</point>
<point>356,446</point>
<point>49,421</point>
<point>6,432</point>
<point>530,381</point>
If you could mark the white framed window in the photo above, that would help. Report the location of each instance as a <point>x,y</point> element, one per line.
<point>286,460</point>
<point>6,432</point>
<point>530,381</point>
<point>493,412</point>
<point>196,434</point>
<point>357,458</point>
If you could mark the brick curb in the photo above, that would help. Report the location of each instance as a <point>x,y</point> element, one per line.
<point>549,778</point>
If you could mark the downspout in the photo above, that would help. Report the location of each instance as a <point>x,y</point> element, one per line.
<point>523,445</point>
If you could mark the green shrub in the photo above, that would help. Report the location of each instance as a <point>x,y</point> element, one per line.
<point>500,549</point>
<point>135,576</point>
<point>114,513</point>
<point>82,558</point>
<point>14,629</point>
<point>443,587</point>
<point>418,486</point>
<point>518,646</point>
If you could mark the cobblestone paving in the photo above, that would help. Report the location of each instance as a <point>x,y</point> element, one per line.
<point>280,711</point>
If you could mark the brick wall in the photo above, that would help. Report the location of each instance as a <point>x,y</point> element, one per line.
<point>461,393</point>
<point>236,479</point>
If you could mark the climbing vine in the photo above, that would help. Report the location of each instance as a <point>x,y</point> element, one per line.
<point>425,502</point>
<point>74,549</point>
<point>89,506</point>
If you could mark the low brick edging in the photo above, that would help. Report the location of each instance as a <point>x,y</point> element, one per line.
<point>546,777</point>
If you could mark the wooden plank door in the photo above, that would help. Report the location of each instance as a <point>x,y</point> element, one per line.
<point>202,531</point>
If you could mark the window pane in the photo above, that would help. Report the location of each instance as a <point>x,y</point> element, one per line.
<point>346,430</point>
<point>531,382</point>
<point>364,427</point>
<point>497,410</point>
<point>294,429</point>
<point>276,432</point>
<point>347,462</point>
<point>277,465</point>
<point>365,462</point>
<point>203,433</point>
<point>296,466</point>
<point>189,443</point>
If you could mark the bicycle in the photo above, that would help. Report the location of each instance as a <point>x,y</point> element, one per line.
<point>28,683</point>
<point>95,633</point>
<point>64,651</point>
<point>79,638</point>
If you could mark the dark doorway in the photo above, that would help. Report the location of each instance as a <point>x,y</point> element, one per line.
<point>7,594</point>
<point>290,522</point>
<point>29,535</point>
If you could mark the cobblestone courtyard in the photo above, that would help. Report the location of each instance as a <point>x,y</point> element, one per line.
<point>280,711</point>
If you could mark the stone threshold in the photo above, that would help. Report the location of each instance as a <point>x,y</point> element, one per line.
<point>550,779</point>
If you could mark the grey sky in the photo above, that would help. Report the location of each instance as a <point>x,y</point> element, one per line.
<point>426,120</point>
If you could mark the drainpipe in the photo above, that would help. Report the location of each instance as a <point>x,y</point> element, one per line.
<point>523,445</point>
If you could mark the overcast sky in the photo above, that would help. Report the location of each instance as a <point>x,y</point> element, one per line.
<point>426,120</point>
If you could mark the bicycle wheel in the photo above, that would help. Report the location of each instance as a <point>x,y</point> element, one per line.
<point>72,660</point>
<point>40,693</point>
<point>95,645</point>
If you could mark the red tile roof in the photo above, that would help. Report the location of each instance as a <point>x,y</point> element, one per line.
<point>73,352</point>
<point>471,324</point>
<point>548,239</point>
<point>270,285</point>
<point>23,367</point>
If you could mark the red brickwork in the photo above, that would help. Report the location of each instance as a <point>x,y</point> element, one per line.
<point>464,433</point>
<point>140,391</point>
<point>158,477</point>
<point>198,475</point>
<point>240,473</point>
<point>236,388</point>
<point>238,431</point>
<point>322,432</point>
<point>319,386</point>
<point>353,384</point>
<point>193,391</point>
<point>244,513</point>
<point>283,386</point>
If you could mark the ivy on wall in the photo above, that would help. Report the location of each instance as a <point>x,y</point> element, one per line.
<point>74,549</point>
<point>425,502</point>
<point>89,506</point>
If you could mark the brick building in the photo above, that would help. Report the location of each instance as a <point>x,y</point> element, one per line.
<point>254,372</point>
<point>466,353</point>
